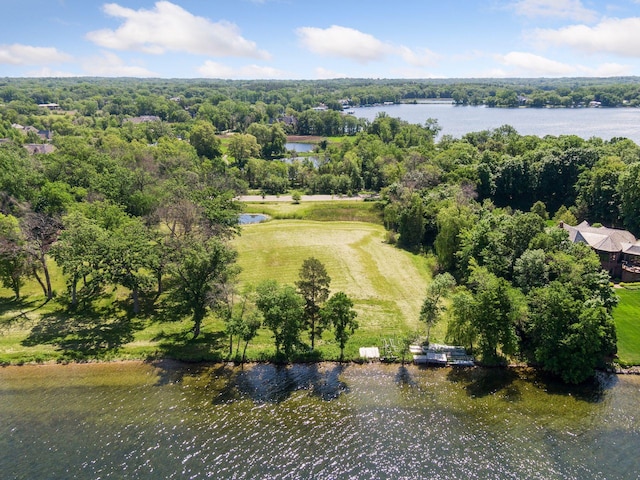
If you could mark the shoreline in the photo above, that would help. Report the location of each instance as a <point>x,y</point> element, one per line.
<point>175,363</point>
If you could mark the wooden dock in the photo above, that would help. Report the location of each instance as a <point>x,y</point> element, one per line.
<point>436,354</point>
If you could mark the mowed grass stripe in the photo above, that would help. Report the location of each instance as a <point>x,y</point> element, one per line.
<point>385,283</point>
<point>627,319</point>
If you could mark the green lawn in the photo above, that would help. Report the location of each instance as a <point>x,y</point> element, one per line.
<point>386,284</point>
<point>627,318</point>
<point>334,210</point>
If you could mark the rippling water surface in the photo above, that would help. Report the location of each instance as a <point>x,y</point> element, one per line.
<point>323,421</point>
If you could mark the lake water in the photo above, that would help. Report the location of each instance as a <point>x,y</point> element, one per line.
<point>455,120</point>
<point>321,421</point>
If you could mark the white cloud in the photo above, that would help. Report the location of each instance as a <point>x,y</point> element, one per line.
<point>337,41</point>
<point>110,65</point>
<point>17,54</point>
<point>528,64</point>
<point>217,70</point>
<point>560,9</point>
<point>609,70</point>
<point>325,74</point>
<point>421,58</point>
<point>46,72</point>
<point>611,35</point>
<point>344,42</point>
<point>536,65</point>
<point>410,73</point>
<point>168,27</point>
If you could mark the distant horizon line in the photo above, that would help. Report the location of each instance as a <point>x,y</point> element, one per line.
<point>374,79</point>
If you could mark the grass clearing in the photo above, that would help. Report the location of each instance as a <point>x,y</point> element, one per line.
<point>627,318</point>
<point>386,284</point>
<point>334,210</point>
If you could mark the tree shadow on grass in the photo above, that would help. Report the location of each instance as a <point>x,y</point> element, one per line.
<point>83,335</point>
<point>16,312</point>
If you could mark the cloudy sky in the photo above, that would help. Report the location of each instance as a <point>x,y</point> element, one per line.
<point>306,39</point>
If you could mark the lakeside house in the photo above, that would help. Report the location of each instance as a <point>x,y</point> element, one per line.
<point>142,119</point>
<point>49,106</point>
<point>619,250</point>
<point>39,148</point>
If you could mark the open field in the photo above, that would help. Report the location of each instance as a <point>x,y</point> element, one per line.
<point>386,284</point>
<point>627,318</point>
<point>327,210</point>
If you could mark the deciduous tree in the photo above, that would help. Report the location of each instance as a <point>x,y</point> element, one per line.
<point>201,269</point>
<point>340,313</point>
<point>283,312</point>
<point>313,285</point>
<point>432,305</point>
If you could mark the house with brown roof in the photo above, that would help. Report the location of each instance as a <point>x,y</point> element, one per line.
<point>619,250</point>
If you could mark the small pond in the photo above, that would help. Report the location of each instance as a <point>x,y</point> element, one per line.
<point>300,147</point>
<point>247,218</point>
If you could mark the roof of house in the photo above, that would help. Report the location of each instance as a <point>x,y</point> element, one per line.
<point>34,148</point>
<point>602,238</point>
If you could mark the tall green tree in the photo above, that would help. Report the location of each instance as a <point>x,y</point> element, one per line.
<point>242,147</point>
<point>629,190</point>
<point>411,223</point>
<point>80,252</point>
<point>432,305</point>
<point>461,328</point>
<point>570,337</point>
<point>497,309</point>
<point>241,317</point>
<point>13,258</point>
<point>129,255</point>
<point>201,269</point>
<point>313,285</point>
<point>41,232</point>
<point>204,140</point>
<point>283,313</point>
<point>340,313</point>
<point>451,221</point>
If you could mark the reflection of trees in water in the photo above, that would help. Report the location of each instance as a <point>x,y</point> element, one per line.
<point>403,377</point>
<point>261,383</point>
<point>481,382</point>
<point>275,383</point>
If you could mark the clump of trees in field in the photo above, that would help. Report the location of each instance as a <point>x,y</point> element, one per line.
<point>289,312</point>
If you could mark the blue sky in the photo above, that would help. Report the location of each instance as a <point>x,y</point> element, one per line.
<point>305,39</point>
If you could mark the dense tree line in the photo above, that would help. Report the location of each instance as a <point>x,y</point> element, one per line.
<point>238,103</point>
